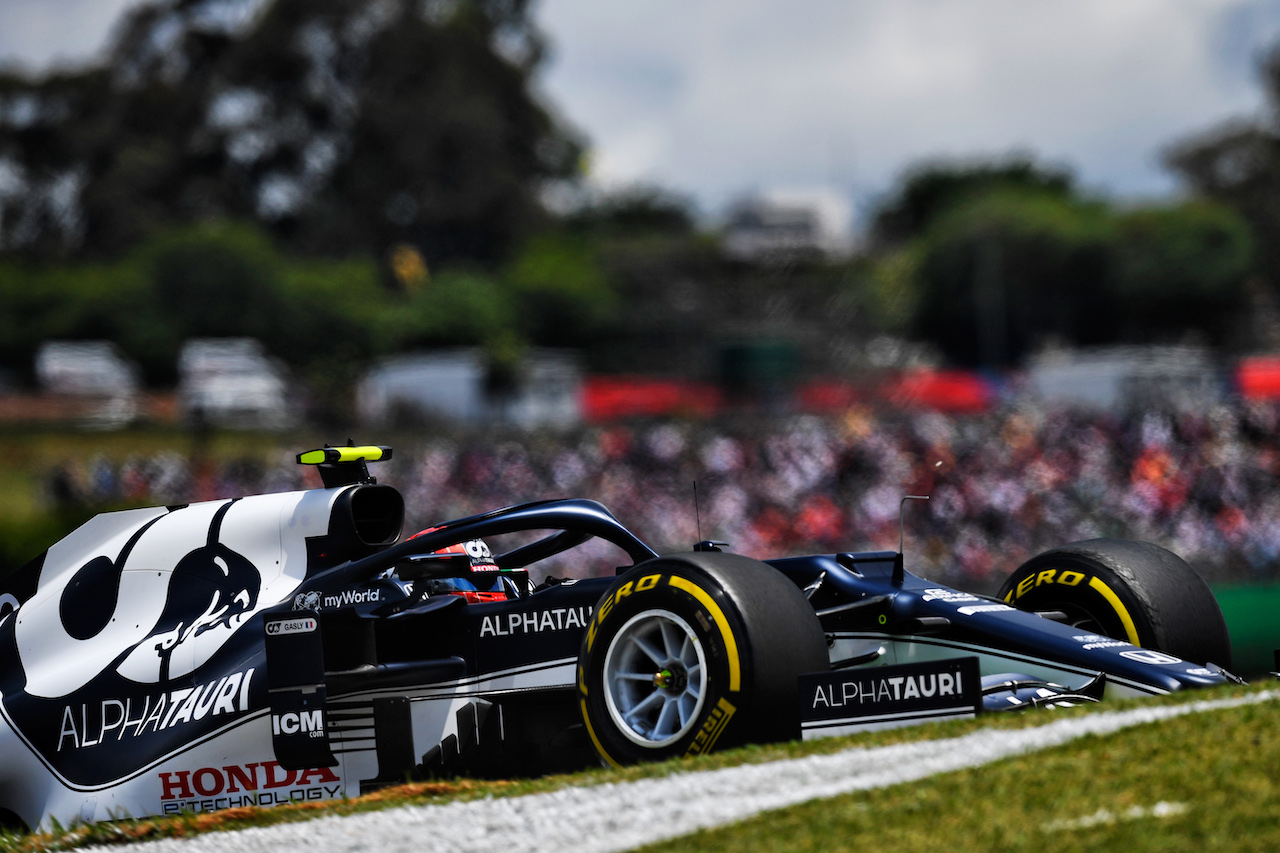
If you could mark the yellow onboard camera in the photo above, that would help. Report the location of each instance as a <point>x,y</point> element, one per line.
<point>345,466</point>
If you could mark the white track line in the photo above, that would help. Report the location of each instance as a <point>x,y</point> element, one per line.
<point>621,816</point>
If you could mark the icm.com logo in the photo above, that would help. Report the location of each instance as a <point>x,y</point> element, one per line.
<point>310,723</point>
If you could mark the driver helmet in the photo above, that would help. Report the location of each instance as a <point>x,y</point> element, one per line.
<point>479,553</point>
<point>481,561</point>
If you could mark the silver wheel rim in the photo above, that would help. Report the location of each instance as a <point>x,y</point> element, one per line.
<point>655,678</point>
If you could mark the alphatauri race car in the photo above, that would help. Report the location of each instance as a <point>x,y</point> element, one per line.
<point>286,648</point>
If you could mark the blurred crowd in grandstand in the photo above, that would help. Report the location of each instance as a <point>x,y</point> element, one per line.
<point>1010,483</point>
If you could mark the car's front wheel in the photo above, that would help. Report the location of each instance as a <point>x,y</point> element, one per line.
<point>696,652</point>
<point>1126,590</point>
<point>655,678</point>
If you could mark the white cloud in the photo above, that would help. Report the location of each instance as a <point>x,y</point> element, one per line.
<point>37,33</point>
<point>718,97</point>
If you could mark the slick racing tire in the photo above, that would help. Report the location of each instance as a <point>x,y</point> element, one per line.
<point>695,652</point>
<point>1126,590</point>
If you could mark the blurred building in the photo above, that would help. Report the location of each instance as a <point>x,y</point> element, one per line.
<point>458,386</point>
<point>1127,378</point>
<point>785,225</point>
<point>92,368</point>
<point>231,382</point>
<point>94,372</point>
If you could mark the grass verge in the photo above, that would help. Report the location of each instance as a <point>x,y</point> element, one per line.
<point>1198,782</point>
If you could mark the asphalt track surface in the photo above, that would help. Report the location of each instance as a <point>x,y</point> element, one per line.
<point>626,815</point>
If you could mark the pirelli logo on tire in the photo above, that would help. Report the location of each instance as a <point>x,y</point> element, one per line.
<point>1077,583</point>
<point>602,610</point>
<point>1066,577</point>
<point>705,740</point>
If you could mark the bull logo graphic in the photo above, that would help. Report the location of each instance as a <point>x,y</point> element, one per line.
<point>146,606</point>
<point>150,594</point>
<point>212,581</point>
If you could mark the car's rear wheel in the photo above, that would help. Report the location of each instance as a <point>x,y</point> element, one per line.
<point>1126,590</point>
<point>696,652</point>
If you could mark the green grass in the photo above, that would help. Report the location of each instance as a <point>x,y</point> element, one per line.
<point>1214,757</point>
<point>1199,782</point>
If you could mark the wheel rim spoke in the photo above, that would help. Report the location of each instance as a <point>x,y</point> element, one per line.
<point>685,706</point>
<point>695,679</point>
<point>654,654</point>
<point>633,676</point>
<point>651,701</point>
<point>672,640</point>
<point>688,653</point>
<point>666,717</point>
<point>655,678</point>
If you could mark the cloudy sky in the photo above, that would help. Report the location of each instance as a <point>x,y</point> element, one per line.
<point>714,98</point>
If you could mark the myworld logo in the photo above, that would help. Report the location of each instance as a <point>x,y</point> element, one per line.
<point>352,596</point>
<point>316,601</point>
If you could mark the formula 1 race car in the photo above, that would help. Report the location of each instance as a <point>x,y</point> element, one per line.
<point>292,647</point>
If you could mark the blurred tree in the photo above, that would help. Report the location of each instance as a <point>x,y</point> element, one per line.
<point>207,280</point>
<point>930,190</point>
<point>891,286</point>
<point>1238,164</point>
<point>639,210</point>
<point>565,298</point>
<point>1180,268</point>
<point>343,125</point>
<point>461,306</point>
<point>224,283</point>
<point>1001,273</point>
